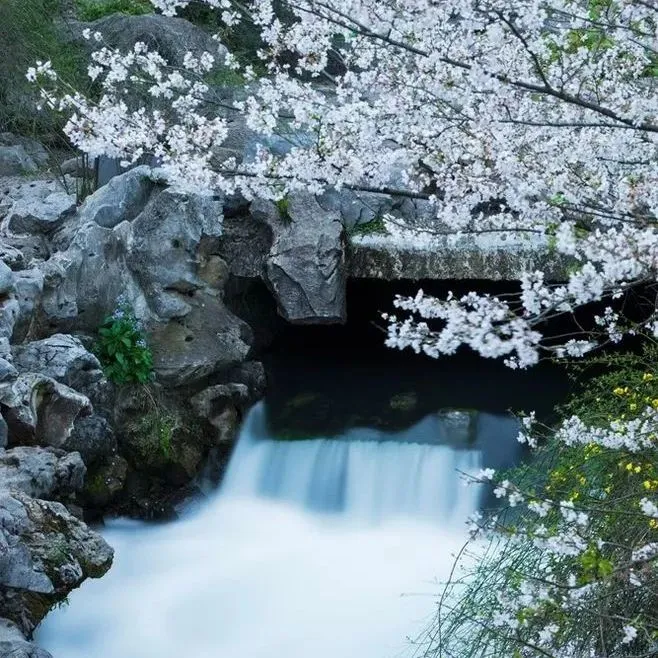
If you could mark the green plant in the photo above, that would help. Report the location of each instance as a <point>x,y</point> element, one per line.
<point>30,27</point>
<point>590,593</point>
<point>283,206</point>
<point>122,348</point>
<point>91,10</point>
<point>375,226</point>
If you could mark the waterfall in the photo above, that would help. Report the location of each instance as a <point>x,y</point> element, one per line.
<point>365,474</point>
<point>330,547</point>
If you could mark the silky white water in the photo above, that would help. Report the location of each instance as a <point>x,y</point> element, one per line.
<point>330,548</point>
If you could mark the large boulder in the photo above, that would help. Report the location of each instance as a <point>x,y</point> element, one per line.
<point>165,263</point>
<point>305,267</point>
<point>41,472</point>
<point>14,645</point>
<point>62,357</point>
<point>171,37</point>
<point>45,552</point>
<point>122,199</point>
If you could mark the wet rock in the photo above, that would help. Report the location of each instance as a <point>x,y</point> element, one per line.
<point>212,400</point>
<point>252,375</point>
<point>41,472</point>
<point>41,411</point>
<point>105,483</point>
<point>305,268</point>
<point>93,437</point>
<point>45,552</point>
<point>122,199</point>
<point>14,645</point>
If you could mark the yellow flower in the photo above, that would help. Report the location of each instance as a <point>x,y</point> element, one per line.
<point>653,523</point>
<point>654,403</point>
<point>647,377</point>
<point>632,406</point>
<point>647,484</point>
<point>637,469</point>
<point>620,391</point>
<point>629,466</point>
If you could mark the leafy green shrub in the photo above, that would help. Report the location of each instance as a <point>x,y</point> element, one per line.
<point>91,10</point>
<point>122,348</point>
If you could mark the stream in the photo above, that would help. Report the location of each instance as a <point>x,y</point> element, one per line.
<point>339,514</point>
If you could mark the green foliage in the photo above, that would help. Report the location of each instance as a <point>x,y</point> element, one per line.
<point>122,348</point>
<point>91,10</point>
<point>156,430</point>
<point>29,33</point>
<point>283,206</point>
<point>377,226</point>
<point>608,485</point>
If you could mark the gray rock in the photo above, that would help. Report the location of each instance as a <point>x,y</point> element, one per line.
<point>122,199</point>
<point>6,279</point>
<point>61,357</point>
<point>11,256</point>
<point>40,214</point>
<point>165,239</point>
<point>8,372</point>
<point>14,160</point>
<point>4,433</point>
<point>105,483</point>
<point>45,552</point>
<point>41,411</point>
<point>211,401</point>
<point>93,438</point>
<point>28,286</point>
<point>31,146</point>
<point>9,314</point>
<point>41,472</point>
<point>252,375</point>
<point>356,208</point>
<point>305,268</point>
<point>209,339</point>
<point>171,37</point>
<point>245,244</point>
<point>165,262</point>
<point>14,645</point>
<point>77,167</point>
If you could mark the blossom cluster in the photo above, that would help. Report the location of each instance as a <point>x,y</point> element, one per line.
<point>533,116</point>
